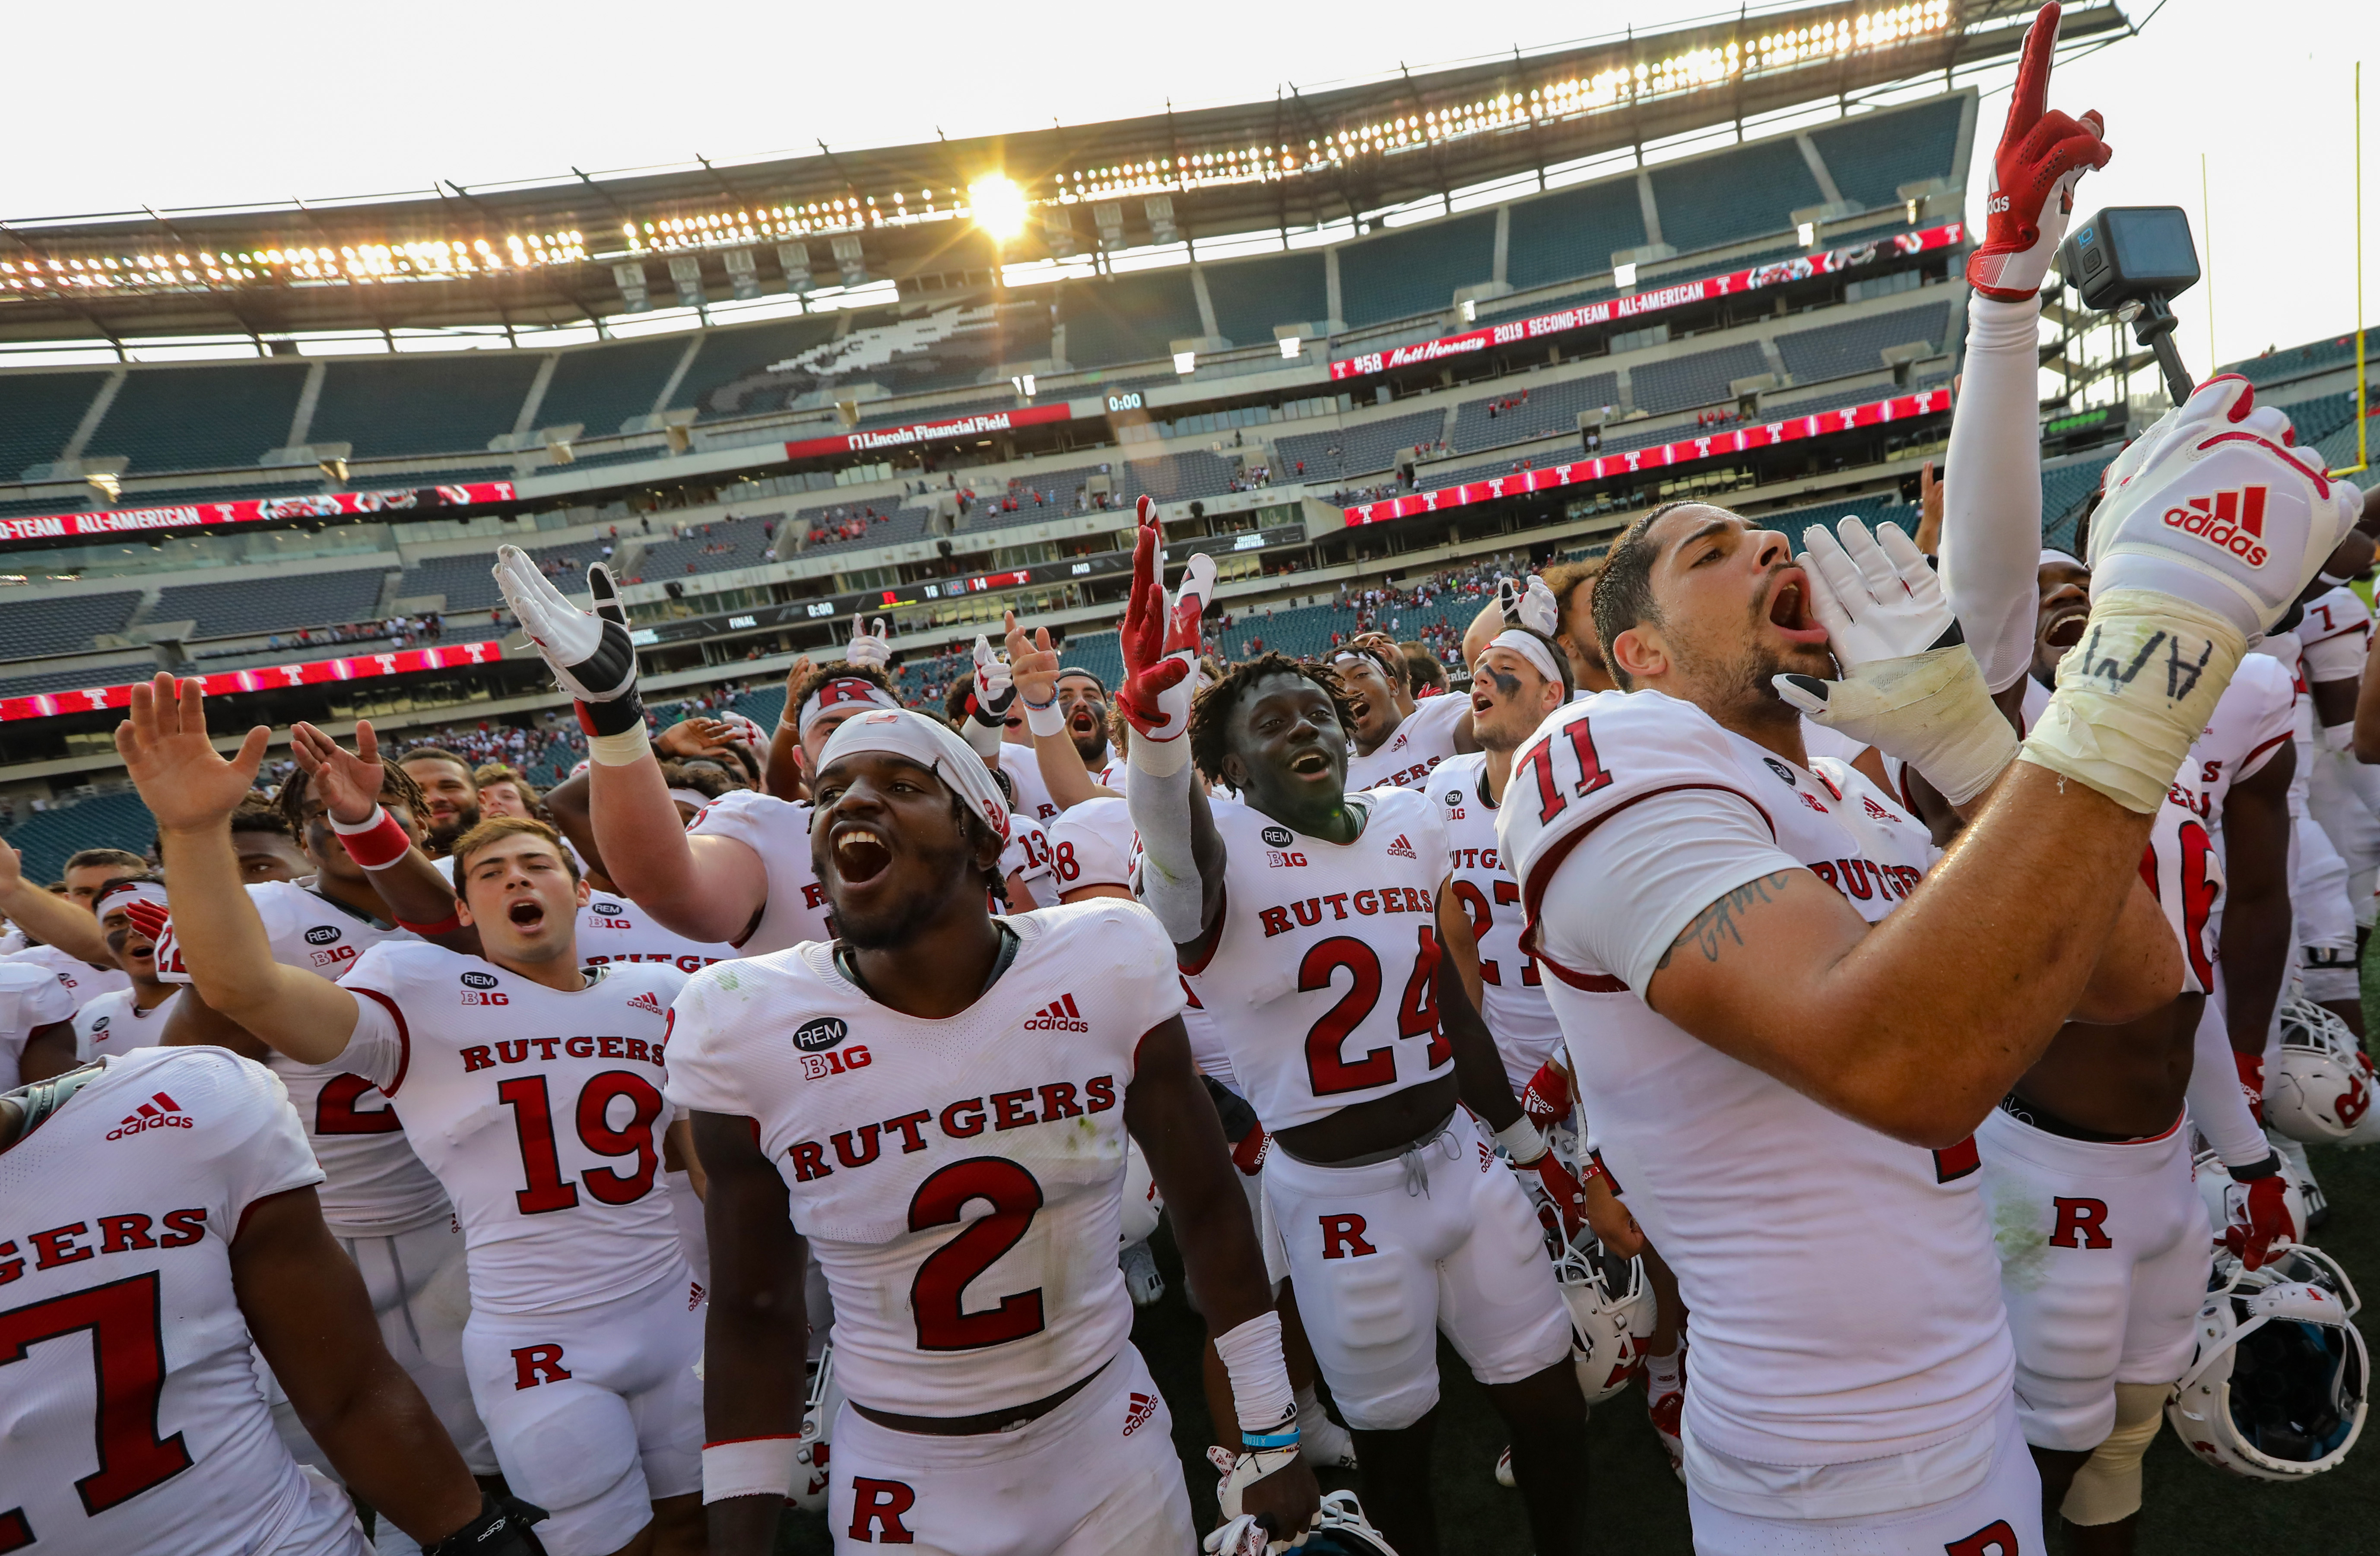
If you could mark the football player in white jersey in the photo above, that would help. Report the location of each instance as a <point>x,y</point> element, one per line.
<point>37,1012</point>
<point>532,1089</point>
<point>741,872</point>
<point>160,1224</point>
<point>2344,795</point>
<point>133,1017</point>
<point>1390,747</point>
<point>861,1095</point>
<point>2087,1163</point>
<point>1305,918</point>
<point>66,935</point>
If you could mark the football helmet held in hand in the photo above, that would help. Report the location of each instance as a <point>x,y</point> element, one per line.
<point>2276,1390</point>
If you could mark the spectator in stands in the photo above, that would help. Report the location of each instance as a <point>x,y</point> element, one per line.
<point>450,796</point>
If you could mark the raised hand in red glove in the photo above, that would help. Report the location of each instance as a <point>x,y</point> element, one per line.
<point>148,918</point>
<point>1160,649</point>
<point>2041,154</point>
<point>1545,1100</point>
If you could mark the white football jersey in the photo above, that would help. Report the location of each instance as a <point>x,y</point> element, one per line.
<point>1320,982</point>
<point>1024,770</point>
<point>31,996</point>
<point>113,1023</point>
<point>373,1180</point>
<point>540,1112</point>
<point>78,977</point>
<point>779,831</point>
<point>128,1393</point>
<point>891,1131</point>
<point>613,928</point>
<point>2334,636</point>
<point>1511,995</point>
<point>1405,760</point>
<point>1627,815</point>
<point>1027,854</point>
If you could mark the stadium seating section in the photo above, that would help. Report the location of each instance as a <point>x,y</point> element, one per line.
<point>1252,296</point>
<point>1572,232</point>
<point>421,404</point>
<point>1129,318</point>
<point>38,413</point>
<point>269,604</point>
<point>715,384</point>
<point>1530,410</point>
<point>1700,378</point>
<point>711,548</point>
<point>469,585</point>
<point>1871,156</point>
<point>601,387</point>
<point>1751,190</point>
<point>33,625</point>
<point>1361,449</point>
<point>1414,270</point>
<point>1856,346</point>
<point>2064,488</point>
<point>882,522</point>
<point>200,416</point>
<point>49,838</point>
<point>2295,361</point>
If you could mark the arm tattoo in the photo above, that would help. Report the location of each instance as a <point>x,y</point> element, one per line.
<point>1721,925</point>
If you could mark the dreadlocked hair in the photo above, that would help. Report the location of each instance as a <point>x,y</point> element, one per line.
<point>397,787</point>
<point>1211,714</point>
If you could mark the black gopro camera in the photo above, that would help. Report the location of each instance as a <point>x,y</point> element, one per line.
<point>2132,261</point>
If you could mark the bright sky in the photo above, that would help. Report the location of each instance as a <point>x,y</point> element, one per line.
<point>176,105</point>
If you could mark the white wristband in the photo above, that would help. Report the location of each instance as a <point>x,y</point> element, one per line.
<point>623,749</point>
<point>1043,718</point>
<point>754,1466</point>
<point>1261,1394</point>
<point>1523,1141</point>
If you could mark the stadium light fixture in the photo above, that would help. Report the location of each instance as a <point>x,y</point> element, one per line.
<point>999,206</point>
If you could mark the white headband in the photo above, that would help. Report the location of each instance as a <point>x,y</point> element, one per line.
<point>932,746</point>
<point>1529,647</point>
<point>127,892</point>
<point>2051,554</point>
<point>842,691</point>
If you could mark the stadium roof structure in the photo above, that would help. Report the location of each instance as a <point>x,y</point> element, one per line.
<point>556,253</point>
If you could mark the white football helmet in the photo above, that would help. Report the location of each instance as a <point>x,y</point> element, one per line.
<point>1142,1203</point>
<point>2212,1178</point>
<point>2322,1087</point>
<point>1340,1530</point>
<point>2277,1390</point>
<point>1611,1315</point>
<point>809,1491</point>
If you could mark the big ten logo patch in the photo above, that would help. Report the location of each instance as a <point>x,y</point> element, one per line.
<point>479,988</point>
<point>818,1066</point>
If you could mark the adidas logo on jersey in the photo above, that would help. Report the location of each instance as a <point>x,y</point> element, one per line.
<point>646,1002</point>
<point>1142,1411</point>
<point>1401,848</point>
<point>1879,811</point>
<point>160,1112</point>
<point>1061,1017</point>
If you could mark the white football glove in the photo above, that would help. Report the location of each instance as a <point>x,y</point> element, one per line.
<point>2208,506</point>
<point>868,647</point>
<point>1910,684</point>
<point>590,652</point>
<point>1241,1534</point>
<point>1532,607</point>
<point>987,714</point>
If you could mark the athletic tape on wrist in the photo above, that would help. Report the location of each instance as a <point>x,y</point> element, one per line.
<point>625,749</point>
<point>1261,1395</point>
<point>1043,718</point>
<point>2135,693</point>
<point>376,842</point>
<point>753,1467</point>
<point>1521,1140</point>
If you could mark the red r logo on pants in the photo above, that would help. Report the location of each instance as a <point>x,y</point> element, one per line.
<point>533,1365</point>
<point>2082,1223</point>
<point>1996,1539</point>
<point>877,1506</point>
<point>1343,1235</point>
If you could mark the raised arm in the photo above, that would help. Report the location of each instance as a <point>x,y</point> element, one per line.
<point>1033,665</point>
<point>192,792</point>
<point>53,920</point>
<point>1181,853</point>
<point>782,770</point>
<point>755,1332</point>
<point>418,893</point>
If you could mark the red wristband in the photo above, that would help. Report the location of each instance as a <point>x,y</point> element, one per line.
<point>445,925</point>
<point>376,843</point>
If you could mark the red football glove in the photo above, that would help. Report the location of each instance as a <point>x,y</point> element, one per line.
<point>2256,1216</point>
<point>148,918</point>
<point>1160,642</point>
<point>1561,1203</point>
<point>1545,1100</point>
<point>2042,155</point>
<point>2252,1080</point>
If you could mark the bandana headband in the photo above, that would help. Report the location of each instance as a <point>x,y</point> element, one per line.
<point>842,691</point>
<point>934,746</point>
<point>1529,647</point>
<point>126,892</point>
